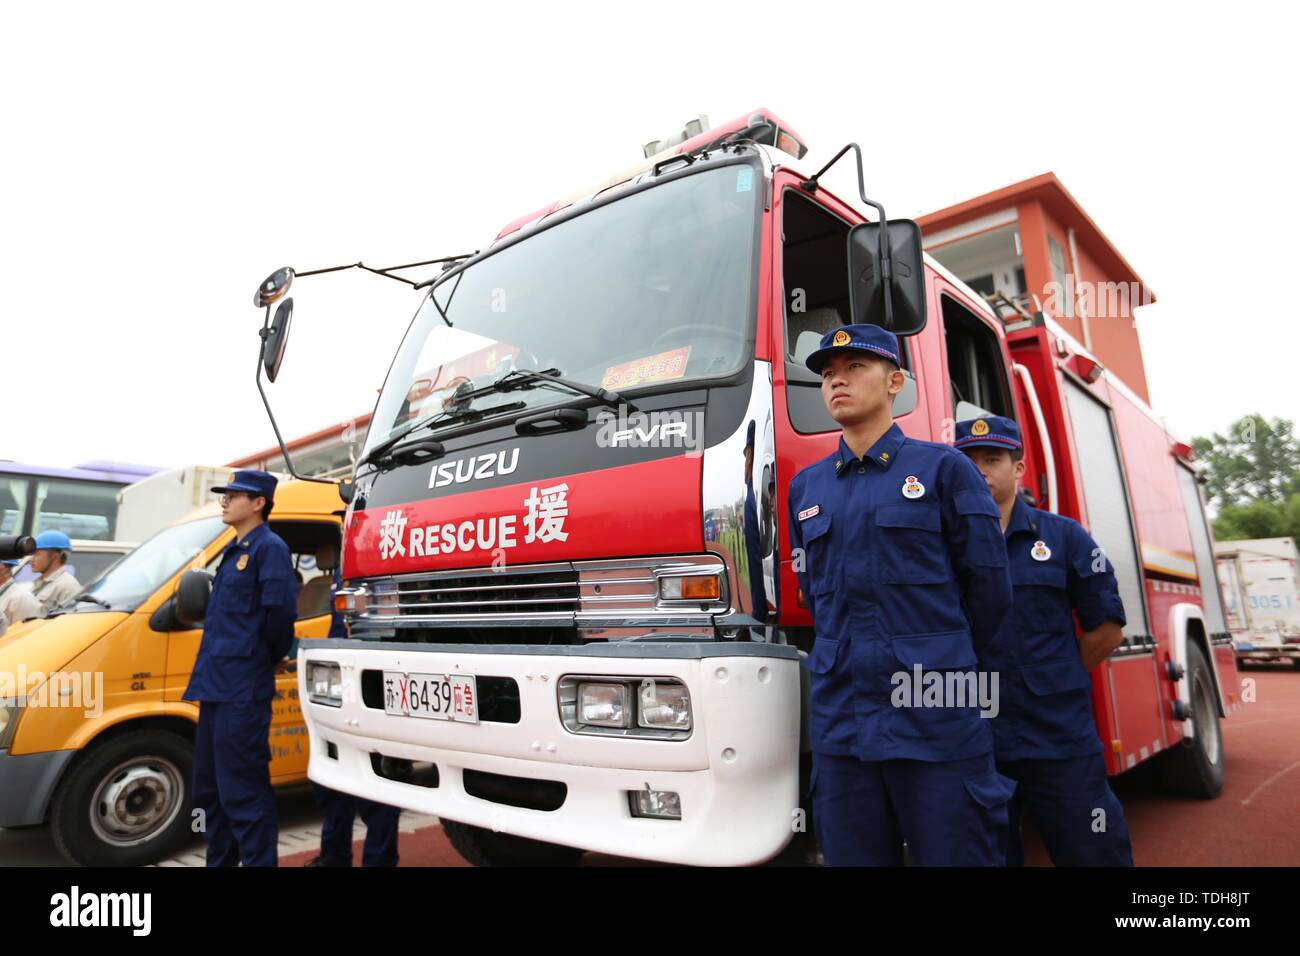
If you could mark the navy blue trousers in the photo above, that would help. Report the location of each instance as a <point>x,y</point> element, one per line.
<point>232,782</point>
<point>950,813</point>
<point>339,811</point>
<point>1077,814</point>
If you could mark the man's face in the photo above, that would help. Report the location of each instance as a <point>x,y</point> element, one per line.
<point>239,506</point>
<point>42,560</point>
<point>856,386</point>
<point>6,573</point>
<point>999,470</point>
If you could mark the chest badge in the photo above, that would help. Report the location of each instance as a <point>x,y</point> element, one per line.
<point>912,487</point>
<point>810,512</point>
<point>243,562</point>
<point>1040,551</point>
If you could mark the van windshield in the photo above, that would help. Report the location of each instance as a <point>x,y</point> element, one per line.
<point>140,573</point>
<point>652,288</point>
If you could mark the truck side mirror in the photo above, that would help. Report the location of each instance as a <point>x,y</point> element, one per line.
<point>275,338</point>
<point>192,597</point>
<point>902,283</point>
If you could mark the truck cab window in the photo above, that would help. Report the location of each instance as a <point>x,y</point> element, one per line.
<point>815,272</point>
<point>976,379</point>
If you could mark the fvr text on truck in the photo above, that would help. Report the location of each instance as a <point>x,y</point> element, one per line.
<point>574,619</point>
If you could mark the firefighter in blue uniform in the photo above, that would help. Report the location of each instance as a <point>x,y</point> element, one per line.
<point>246,633</point>
<point>901,563</point>
<point>340,810</point>
<point>1044,735</point>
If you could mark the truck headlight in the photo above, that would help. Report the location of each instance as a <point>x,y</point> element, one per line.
<point>664,705</point>
<point>603,705</point>
<point>643,707</point>
<point>325,683</point>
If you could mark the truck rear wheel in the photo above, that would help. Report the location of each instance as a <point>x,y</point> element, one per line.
<point>483,847</point>
<point>126,801</point>
<point>1194,768</point>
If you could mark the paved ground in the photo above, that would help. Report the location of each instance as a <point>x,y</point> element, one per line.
<point>1256,821</point>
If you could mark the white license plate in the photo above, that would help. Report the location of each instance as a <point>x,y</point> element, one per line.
<point>432,696</point>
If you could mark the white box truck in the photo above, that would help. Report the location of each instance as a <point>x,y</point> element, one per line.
<point>1261,595</point>
<point>153,503</point>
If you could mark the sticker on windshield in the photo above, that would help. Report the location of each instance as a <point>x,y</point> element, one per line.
<point>652,368</point>
<point>744,179</point>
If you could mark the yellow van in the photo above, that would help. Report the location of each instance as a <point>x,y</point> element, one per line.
<point>94,736</point>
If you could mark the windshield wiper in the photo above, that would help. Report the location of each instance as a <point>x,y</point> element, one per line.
<point>516,379</point>
<point>388,449</point>
<point>92,599</point>
<point>521,378</point>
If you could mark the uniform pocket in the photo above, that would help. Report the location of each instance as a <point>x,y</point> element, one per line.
<point>1055,677</point>
<point>990,790</point>
<point>822,570</point>
<point>942,651</point>
<point>824,655</point>
<point>914,550</point>
<point>1042,602</point>
<point>1038,574</point>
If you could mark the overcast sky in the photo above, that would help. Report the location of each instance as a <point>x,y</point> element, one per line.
<point>158,160</point>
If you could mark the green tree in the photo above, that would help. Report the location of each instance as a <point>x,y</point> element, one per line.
<point>1259,519</point>
<point>1256,462</point>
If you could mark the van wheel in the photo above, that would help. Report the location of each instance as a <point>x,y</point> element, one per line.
<point>126,801</point>
<point>1194,768</point>
<point>483,847</point>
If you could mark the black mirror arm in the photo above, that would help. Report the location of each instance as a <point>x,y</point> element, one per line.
<point>886,263</point>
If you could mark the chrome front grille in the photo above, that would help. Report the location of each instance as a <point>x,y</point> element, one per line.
<point>526,593</point>
<point>583,593</point>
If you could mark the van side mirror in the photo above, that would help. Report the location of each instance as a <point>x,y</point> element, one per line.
<point>892,297</point>
<point>192,597</point>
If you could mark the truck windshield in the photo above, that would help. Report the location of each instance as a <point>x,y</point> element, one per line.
<point>652,288</point>
<point>140,573</point>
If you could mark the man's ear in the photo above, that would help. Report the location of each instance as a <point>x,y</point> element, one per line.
<point>261,511</point>
<point>896,381</point>
<point>1020,469</point>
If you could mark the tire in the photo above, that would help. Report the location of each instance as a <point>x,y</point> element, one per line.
<point>1194,768</point>
<point>126,801</point>
<point>482,847</point>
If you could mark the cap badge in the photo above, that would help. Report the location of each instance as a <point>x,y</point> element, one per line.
<point>841,338</point>
<point>979,428</point>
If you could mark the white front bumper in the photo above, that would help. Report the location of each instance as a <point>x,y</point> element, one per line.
<point>737,773</point>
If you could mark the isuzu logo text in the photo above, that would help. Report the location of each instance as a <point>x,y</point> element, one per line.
<point>475,468</point>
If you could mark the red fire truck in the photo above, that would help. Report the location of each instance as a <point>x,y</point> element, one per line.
<point>574,623</point>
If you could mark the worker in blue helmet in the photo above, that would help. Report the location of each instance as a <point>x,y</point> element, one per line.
<point>55,584</point>
<point>1044,736</point>
<point>246,633</point>
<point>900,561</point>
